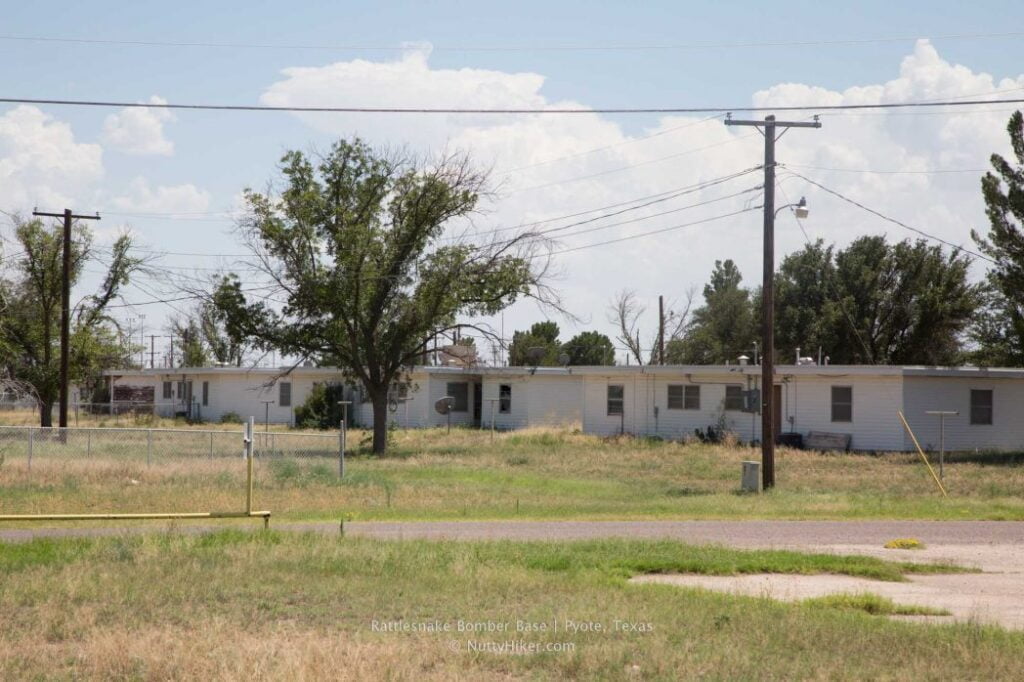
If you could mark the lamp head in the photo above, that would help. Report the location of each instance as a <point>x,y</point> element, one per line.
<point>801,209</point>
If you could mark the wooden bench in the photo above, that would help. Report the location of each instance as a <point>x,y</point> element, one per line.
<point>823,440</point>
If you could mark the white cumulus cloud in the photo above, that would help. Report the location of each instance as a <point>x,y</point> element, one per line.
<point>546,166</point>
<point>172,199</point>
<point>41,162</point>
<point>139,131</point>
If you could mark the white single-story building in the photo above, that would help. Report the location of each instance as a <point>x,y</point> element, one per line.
<point>669,401</point>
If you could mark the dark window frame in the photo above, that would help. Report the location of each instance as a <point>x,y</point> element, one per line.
<point>980,414</point>
<point>504,398</point>
<point>621,400</point>
<point>168,390</point>
<point>838,406</point>
<point>678,401</point>
<point>691,397</point>
<point>735,402</point>
<point>206,393</point>
<point>462,387</point>
<point>284,394</point>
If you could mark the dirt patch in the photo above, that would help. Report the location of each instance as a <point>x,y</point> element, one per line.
<point>979,597</point>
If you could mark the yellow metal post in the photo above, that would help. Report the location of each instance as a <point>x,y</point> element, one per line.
<point>921,452</point>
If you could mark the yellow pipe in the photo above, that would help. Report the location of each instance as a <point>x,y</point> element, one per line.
<point>921,452</point>
<point>114,516</point>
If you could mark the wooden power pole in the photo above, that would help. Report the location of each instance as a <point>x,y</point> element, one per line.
<point>768,128</point>
<point>65,306</point>
<point>661,330</point>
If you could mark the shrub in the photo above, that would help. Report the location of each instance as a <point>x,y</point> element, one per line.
<point>321,409</point>
<point>230,418</point>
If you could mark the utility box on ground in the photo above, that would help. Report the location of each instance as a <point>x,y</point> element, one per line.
<point>751,477</point>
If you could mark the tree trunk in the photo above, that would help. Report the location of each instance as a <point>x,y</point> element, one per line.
<point>46,413</point>
<point>380,422</point>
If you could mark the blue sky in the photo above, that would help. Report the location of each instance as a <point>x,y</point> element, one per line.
<point>210,156</point>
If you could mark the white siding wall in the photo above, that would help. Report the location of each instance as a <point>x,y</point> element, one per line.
<point>438,387</point>
<point>677,424</point>
<point>518,416</point>
<point>553,400</point>
<point>876,399</point>
<point>953,393</point>
<point>595,405</point>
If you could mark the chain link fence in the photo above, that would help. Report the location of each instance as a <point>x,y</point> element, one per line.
<point>20,446</point>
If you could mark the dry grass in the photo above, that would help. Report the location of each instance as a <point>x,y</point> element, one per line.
<point>538,473</point>
<point>259,606</point>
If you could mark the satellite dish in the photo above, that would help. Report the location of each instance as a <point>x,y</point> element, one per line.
<point>444,405</point>
<point>535,354</point>
<point>563,359</point>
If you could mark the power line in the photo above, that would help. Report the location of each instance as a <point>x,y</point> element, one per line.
<point>631,166</point>
<point>930,171</point>
<point>653,232</point>
<point>894,221</point>
<point>508,111</point>
<point>596,47</point>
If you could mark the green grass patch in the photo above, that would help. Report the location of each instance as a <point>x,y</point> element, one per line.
<point>873,604</point>
<point>245,605</point>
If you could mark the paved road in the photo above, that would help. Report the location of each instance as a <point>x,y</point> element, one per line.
<point>734,533</point>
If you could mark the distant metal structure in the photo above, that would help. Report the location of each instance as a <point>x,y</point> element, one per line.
<point>942,414</point>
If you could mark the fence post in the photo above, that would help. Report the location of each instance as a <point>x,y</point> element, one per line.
<point>343,436</point>
<point>88,443</point>
<point>211,444</point>
<point>250,429</point>
<point>149,446</point>
<point>31,438</point>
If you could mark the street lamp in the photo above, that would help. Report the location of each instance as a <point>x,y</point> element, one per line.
<point>799,208</point>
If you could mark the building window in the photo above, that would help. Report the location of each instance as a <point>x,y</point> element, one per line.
<point>206,393</point>
<point>616,399</point>
<point>691,397</point>
<point>675,396</point>
<point>981,407</point>
<point>168,391</point>
<point>460,391</point>
<point>284,394</point>
<point>734,398</point>
<point>842,403</point>
<point>505,398</point>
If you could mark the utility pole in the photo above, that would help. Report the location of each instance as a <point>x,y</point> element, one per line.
<point>65,306</point>
<point>768,128</point>
<point>152,351</point>
<point>142,339</point>
<point>661,330</point>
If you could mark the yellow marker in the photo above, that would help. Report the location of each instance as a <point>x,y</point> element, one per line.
<point>921,452</point>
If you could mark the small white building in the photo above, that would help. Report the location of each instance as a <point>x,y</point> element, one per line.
<point>860,401</point>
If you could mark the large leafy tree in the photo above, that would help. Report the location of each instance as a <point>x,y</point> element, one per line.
<point>590,348</point>
<point>875,302</point>
<point>1000,329</point>
<point>362,275</point>
<point>723,327</point>
<point>537,347</point>
<point>30,308</point>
